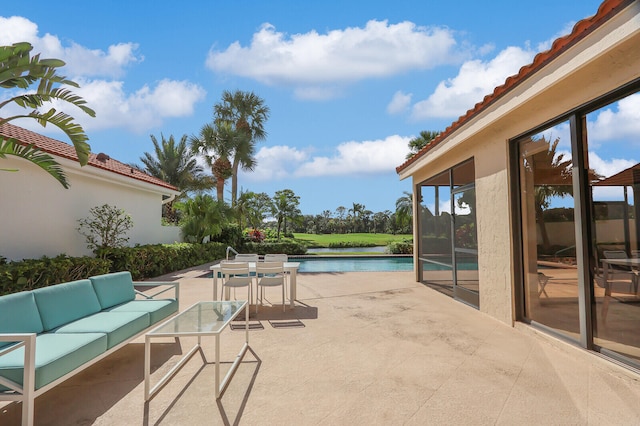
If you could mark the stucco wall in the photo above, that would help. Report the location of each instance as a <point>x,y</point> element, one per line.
<point>598,64</point>
<point>38,217</point>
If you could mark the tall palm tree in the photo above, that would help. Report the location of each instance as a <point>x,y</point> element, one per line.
<point>215,144</point>
<point>20,70</point>
<point>419,142</point>
<point>175,163</point>
<point>404,209</point>
<point>248,113</point>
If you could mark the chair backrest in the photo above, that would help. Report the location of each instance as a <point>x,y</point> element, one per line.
<point>269,268</point>
<point>234,268</point>
<point>276,257</point>
<point>615,254</point>
<point>247,257</point>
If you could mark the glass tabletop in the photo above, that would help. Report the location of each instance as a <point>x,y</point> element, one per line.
<point>201,318</point>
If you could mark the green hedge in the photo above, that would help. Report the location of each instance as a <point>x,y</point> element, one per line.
<point>289,247</point>
<point>142,261</point>
<point>159,259</point>
<point>35,273</point>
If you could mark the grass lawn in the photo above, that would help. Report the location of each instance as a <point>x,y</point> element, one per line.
<point>360,240</point>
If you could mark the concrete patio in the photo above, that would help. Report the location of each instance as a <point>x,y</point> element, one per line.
<point>359,348</point>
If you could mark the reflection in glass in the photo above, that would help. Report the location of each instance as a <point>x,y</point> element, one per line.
<point>549,255</point>
<point>435,247</point>
<point>614,187</point>
<point>448,248</point>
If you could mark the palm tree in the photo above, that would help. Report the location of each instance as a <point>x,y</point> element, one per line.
<point>20,70</point>
<point>417,143</point>
<point>205,217</point>
<point>248,113</point>
<point>216,144</point>
<point>355,213</point>
<point>404,209</point>
<point>175,164</point>
<point>285,207</point>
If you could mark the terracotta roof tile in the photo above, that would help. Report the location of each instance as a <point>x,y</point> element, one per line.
<point>606,11</point>
<point>64,150</point>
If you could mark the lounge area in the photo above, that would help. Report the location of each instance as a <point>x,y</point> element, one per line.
<point>376,347</point>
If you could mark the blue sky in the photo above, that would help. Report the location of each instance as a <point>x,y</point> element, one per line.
<point>348,83</point>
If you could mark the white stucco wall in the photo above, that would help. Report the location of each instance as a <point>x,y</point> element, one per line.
<point>598,64</point>
<point>38,217</point>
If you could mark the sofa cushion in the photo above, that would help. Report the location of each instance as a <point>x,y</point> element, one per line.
<point>62,303</point>
<point>118,326</point>
<point>19,314</point>
<point>157,309</point>
<point>56,355</point>
<point>113,289</point>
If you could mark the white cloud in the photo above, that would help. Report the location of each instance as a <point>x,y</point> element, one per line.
<point>80,60</point>
<point>620,120</point>
<point>399,103</point>
<point>476,79</point>
<point>138,111</point>
<point>353,158</point>
<point>342,56</point>
<point>276,162</point>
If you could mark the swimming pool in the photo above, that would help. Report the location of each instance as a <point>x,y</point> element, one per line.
<point>354,263</point>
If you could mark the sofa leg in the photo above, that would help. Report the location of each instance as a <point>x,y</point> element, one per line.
<point>29,380</point>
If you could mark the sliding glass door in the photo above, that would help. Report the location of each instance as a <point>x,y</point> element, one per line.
<point>448,247</point>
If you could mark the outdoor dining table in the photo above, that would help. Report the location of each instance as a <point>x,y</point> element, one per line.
<point>290,268</point>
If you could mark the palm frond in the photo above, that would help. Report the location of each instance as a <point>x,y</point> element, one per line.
<point>35,156</point>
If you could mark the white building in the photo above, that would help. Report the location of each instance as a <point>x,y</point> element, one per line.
<point>38,217</point>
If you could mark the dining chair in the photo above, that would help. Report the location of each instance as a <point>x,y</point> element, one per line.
<point>276,257</point>
<point>236,275</point>
<point>279,257</point>
<point>628,271</point>
<point>269,274</point>
<point>246,257</point>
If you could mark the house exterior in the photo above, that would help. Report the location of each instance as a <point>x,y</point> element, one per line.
<point>39,217</point>
<point>521,204</point>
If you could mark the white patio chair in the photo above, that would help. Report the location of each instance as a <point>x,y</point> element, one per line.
<point>235,275</point>
<point>278,257</point>
<point>245,257</point>
<point>269,274</point>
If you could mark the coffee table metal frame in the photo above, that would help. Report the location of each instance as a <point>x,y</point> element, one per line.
<point>200,319</point>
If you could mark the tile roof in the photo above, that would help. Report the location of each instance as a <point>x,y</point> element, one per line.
<point>64,150</point>
<point>606,11</point>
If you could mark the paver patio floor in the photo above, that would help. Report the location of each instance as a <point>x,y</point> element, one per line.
<point>359,348</point>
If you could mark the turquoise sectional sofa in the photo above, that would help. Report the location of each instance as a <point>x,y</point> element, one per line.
<point>59,330</point>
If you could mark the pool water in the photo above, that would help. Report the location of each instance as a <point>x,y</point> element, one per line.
<point>354,264</point>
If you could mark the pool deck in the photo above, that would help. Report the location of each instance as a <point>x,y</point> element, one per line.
<point>359,348</point>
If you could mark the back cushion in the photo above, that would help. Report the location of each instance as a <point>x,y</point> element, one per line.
<point>62,303</point>
<point>113,289</point>
<point>19,314</point>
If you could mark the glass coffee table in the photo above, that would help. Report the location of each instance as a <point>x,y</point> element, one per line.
<point>201,319</point>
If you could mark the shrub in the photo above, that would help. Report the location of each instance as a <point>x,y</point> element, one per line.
<point>230,235</point>
<point>153,260</point>
<point>106,227</point>
<point>288,247</point>
<point>35,273</point>
<point>400,247</point>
